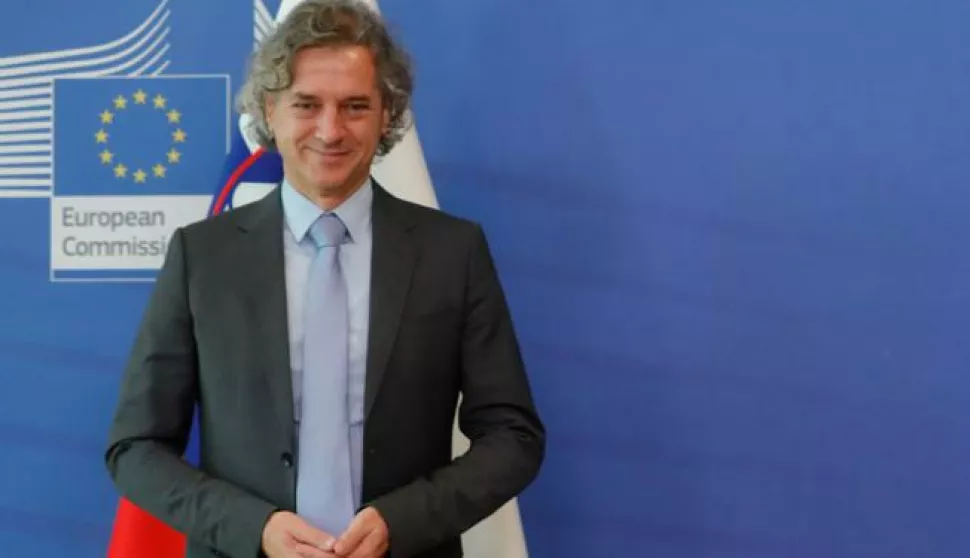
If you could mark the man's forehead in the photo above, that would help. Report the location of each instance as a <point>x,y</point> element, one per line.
<point>328,75</point>
<point>350,94</point>
<point>334,58</point>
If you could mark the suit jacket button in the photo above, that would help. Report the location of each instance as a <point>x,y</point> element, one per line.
<point>287,459</point>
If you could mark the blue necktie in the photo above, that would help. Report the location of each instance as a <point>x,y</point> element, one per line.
<point>324,485</point>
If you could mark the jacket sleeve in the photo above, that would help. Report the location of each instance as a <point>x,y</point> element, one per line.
<point>152,424</point>
<point>498,416</point>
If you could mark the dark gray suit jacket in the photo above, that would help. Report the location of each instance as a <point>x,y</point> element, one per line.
<point>215,337</point>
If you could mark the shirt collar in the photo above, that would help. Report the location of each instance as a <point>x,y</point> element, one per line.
<point>301,213</point>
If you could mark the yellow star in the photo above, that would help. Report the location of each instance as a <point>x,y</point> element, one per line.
<point>107,117</point>
<point>106,157</point>
<point>139,175</point>
<point>178,136</point>
<point>159,170</point>
<point>101,136</point>
<point>120,170</point>
<point>120,102</point>
<point>174,116</point>
<point>140,97</point>
<point>174,156</point>
<point>159,101</point>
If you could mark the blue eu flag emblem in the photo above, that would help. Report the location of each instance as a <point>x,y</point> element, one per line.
<point>139,136</point>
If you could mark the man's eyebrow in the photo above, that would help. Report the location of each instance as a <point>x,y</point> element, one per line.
<point>360,98</point>
<point>304,96</point>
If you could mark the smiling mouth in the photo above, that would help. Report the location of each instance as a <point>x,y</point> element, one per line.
<point>330,153</point>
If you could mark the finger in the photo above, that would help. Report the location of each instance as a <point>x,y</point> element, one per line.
<point>369,547</point>
<point>306,533</point>
<point>303,550</point>
<point>359,528</point>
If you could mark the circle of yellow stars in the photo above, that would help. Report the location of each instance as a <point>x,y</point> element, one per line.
<point>172,157</point>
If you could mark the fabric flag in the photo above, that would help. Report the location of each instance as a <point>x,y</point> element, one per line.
<point>136,533</point>
<point>250,174</point>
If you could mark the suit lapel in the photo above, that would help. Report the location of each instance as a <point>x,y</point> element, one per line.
<point>266,291</point>
<point>392,263</point>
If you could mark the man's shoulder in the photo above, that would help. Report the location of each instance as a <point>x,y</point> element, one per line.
<point>435,219</point>
<point>227,222</point>
<point>220,241</point>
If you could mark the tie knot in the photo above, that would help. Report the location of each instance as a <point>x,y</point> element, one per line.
<point>328,230</point>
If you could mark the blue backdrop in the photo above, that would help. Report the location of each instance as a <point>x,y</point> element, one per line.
<point>734,236</point>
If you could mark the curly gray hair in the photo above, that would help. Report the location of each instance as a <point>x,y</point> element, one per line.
<point>328,23</point>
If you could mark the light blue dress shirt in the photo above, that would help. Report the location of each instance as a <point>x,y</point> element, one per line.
<point>355,260</point>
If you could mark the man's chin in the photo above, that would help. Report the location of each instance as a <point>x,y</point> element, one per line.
<point>328,182</point>
<point>331,184</point>
<point>334,188</point>
<point>329,174</point>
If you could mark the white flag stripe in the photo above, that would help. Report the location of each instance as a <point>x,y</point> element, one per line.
<point>20,127</point>
<point>17,138</point>
<point>60,67</point>
<point>404,173</point>
<point>262,22</point>
<point>23,193</point>
<point>19,149</point>
<point>6,161</point>
<point>161,68</point>
<point>25,115</point>
<point>32,103</point>
<point>158,55</point>
<point>19,59</point>
<point>24,182</point>
<point>43,92</point>
<point>261,28</point>
<point>263,12</point>
<point>25,171</point>
<point>23,82</point>
<point>27,96</point>
<point>261,18</point>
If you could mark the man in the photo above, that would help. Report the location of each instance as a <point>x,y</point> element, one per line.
<point>324,335</point>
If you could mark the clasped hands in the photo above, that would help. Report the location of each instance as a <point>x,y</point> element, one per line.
<point>287,535</point>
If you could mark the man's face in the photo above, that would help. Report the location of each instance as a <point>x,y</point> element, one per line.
<point>328,124</point>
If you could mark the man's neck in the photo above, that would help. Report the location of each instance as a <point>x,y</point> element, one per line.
<point>330,198</point>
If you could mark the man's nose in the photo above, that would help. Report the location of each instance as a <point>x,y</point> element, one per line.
<point>330,126</point>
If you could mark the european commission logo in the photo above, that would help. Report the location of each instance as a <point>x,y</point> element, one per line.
<point>134,158</point>
<point>120,104</point>
<point>128,138</point>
